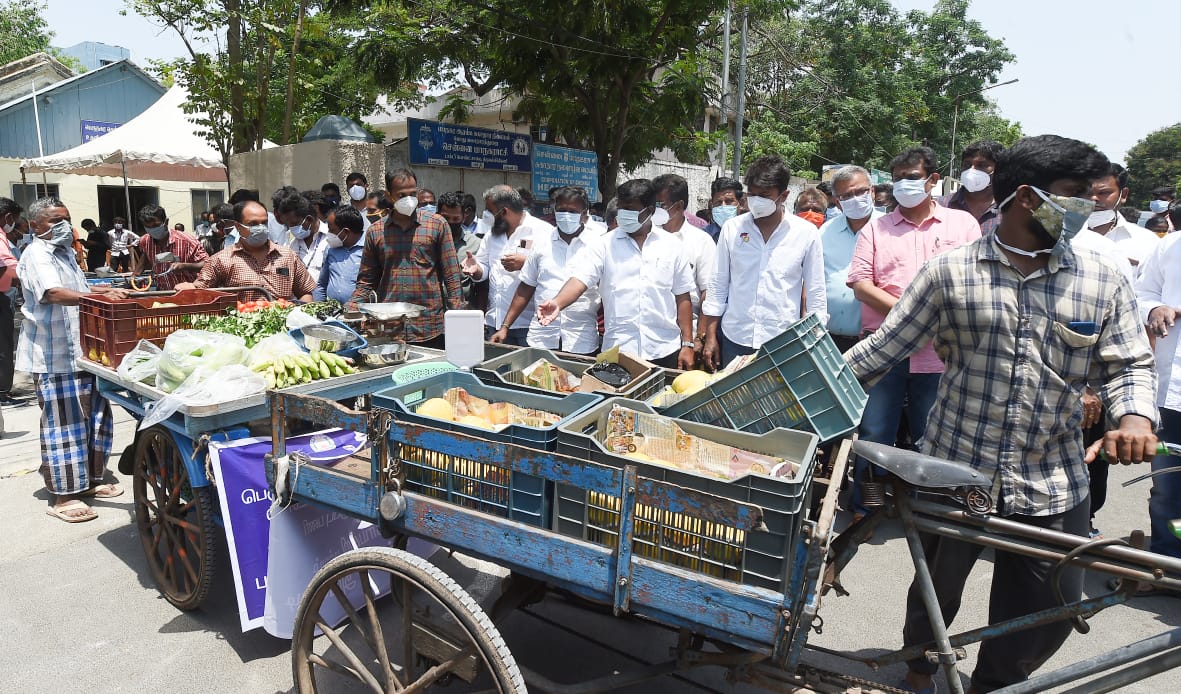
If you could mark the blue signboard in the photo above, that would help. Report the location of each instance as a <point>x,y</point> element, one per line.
<point>465,147</point>
<point>96,128</point>
<point>562,166</point>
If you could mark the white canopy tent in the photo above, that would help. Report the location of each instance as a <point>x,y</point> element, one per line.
<point>160,143</point>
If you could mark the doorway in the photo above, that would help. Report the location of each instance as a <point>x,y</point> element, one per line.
<point>112,203</point>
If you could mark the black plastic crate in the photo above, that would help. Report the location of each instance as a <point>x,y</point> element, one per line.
<point>751,557</point>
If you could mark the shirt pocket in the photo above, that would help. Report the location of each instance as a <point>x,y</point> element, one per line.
<point>1070,353</point>
<point>422,255</point>
<point>661,273</point>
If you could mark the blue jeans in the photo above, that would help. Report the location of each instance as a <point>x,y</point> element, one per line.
<point>883,413</point>
<point>1164,504</point>
<point>731,349</point>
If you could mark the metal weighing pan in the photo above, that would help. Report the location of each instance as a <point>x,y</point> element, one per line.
<point>392,310</point>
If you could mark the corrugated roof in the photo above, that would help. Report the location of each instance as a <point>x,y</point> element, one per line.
<point>79,78</point>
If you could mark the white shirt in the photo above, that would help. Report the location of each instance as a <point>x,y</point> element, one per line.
<point>277,230</point>
<point>1136,242</point>
<point>703,256</point>
<point>547,268</point>
<point>1160,284</point>
<point>758,286</point>
<point>1107,248</point>
<point>502,283</point>
<point>638,288</point>
<point>313,256</point>
<point>121,241</point>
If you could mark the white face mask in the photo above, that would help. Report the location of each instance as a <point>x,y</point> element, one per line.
<point>357,192</point>
<point>406,206</point>
<point>761,207</point>
<point>628,221</point>
<point>660,216</point>
<point>568,222</point>
<point>975,180</point>
<point>910,193</point>
<point>859,207</point>
<point>333,241</point>
<point>8,228</point>
<point>488,219</point>
<point>1100,217</point>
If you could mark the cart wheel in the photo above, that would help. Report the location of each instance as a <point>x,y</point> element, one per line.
<point>444,636</point>
<point>175,520</point>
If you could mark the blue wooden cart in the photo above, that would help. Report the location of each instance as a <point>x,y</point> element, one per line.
<point>429,632</point>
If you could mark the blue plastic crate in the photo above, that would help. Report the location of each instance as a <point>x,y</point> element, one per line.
<point>471,483</point>
<point>351,352</point>
<point>761,558</point>
<point>797,380</point>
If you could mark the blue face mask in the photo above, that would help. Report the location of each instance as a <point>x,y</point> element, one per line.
<point>724,213</point>
<point>429,209</point>
<point>1158,206</point>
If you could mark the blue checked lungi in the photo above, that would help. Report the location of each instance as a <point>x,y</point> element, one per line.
<point>76,431</point>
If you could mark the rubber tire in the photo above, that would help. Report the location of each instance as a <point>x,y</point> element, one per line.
<point>205,509</point>
<point>462,606</point>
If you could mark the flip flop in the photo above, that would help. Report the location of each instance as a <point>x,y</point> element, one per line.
<point>104,491</point>
<point>61,512</point>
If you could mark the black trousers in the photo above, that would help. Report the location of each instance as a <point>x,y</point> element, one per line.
<point>7,344</point>
<point>1020,585</point>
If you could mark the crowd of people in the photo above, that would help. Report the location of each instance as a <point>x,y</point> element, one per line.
<point>1018,315</point>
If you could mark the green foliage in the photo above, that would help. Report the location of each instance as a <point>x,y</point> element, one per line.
<point>855,81</point>
<point>1153,162</point>
<point>23,30</point>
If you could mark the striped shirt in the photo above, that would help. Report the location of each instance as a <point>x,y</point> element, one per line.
<point>417,265</point>
<point>1018,355</point>
<point>49,338</point>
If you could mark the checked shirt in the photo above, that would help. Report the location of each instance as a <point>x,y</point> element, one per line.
<point>1018,355</point>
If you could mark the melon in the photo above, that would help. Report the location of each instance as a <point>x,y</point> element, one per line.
<point>690,382</point>
<point>437,408</point>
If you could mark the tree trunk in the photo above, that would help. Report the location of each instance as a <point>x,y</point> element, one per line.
<point>239,141</point>
<point>291,72</point>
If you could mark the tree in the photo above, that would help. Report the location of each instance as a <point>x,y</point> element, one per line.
<point>1153,162</point>
<point>24,31</point>
<point>622,78</point>
<point>855,81</point>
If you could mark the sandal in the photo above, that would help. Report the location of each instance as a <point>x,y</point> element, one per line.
<point>63,512</point>
<point>104,491</point>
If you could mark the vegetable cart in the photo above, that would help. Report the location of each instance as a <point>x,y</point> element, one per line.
<point>738,574</point>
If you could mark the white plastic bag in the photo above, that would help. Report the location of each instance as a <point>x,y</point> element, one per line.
<point>300,319</point>
<point>207,387</point>
<point>139,365</point>
<point>186,350</point>
<point>268,348</point>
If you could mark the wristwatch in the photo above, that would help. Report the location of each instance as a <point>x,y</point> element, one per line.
<point>688,343</point>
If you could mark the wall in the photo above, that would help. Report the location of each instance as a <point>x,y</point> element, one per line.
<point>307,166</point>
<point>80,193</point>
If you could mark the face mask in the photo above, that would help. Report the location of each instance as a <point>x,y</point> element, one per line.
<point>761,207</point>
<point>118,227</point>
<point>8,228</point>
<point>256,236</point>
<point>429,209</point>
<point>597,218</point>
<point>628,221</point>
<point>457,230</point>
<point>568,222</point>
<point>817,218</point>
<point>60,234</point>
<point>299,232</point>
<point>859,207</point>
<point>159,233</point>
<point>1061,217</point>
<point>910,193</point>
<point>1100,217</point>
<point>724,213</point>
<point>357,192</point>
<point>660,216</point>
<point>333,241</point>
<point>1158,206</point>
<point>406,206</point>
<point>488,219</point>
<point>974,180</point>
<point>880,208</point>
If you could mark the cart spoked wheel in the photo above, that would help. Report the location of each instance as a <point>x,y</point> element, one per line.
<point>433,635</point>
<point>175,520</point>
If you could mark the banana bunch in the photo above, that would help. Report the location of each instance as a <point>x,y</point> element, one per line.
<point>294,369</point>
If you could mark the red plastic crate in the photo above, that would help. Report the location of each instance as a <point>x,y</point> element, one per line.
<point>110,328</point>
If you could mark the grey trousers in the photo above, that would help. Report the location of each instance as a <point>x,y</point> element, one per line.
<point>1020,585</point>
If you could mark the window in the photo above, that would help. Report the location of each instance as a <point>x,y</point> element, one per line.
<point>25,194</point>
<point>204,200</point>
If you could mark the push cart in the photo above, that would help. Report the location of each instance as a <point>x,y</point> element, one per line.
<point>692,560</point>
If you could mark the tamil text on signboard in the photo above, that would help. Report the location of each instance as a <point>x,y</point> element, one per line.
<point>562,166</point>
<point>96,128</point>
<point>462,146</point>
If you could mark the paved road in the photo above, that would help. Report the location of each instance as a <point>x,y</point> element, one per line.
<point>79,612</point>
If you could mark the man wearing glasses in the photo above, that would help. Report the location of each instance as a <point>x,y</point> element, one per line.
<point>855,197</point>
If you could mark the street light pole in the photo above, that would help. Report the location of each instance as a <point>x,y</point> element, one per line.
<point>956,117</point>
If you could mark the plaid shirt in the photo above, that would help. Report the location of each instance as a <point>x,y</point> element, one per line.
<point>49,338</point>
<point>417,265</point>
<point>282,273</point>
<point>1018,357</point>
<point>186,249</point>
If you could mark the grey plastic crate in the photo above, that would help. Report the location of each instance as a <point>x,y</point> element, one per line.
<point>505,371</point>
<point>755,558</point>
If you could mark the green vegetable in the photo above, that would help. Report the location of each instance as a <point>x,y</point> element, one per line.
<point>252,327</point>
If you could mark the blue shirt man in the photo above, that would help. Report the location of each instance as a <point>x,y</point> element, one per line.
<point>342,260</point>
<point>838,236</point>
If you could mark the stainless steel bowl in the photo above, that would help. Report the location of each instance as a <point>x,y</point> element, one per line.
<point>326,338</point>
<point>384,355</point>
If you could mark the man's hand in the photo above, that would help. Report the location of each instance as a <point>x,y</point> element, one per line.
<point>1160,319</point>
<point>513,262</point>
<point>1092,409</point>
<point>469,266</point>
<point>547,311</point>
<point>499,336</point>
<point>1134,442</point>
<point>711,353</point>
<point>184,285</point>
<point>687,359</point>
<point>114,293</point>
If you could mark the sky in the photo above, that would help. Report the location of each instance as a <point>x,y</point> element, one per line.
<point>1096,71</point>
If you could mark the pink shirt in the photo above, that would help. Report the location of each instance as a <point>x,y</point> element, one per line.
<point>889,252</point>
<point>8,261</point>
